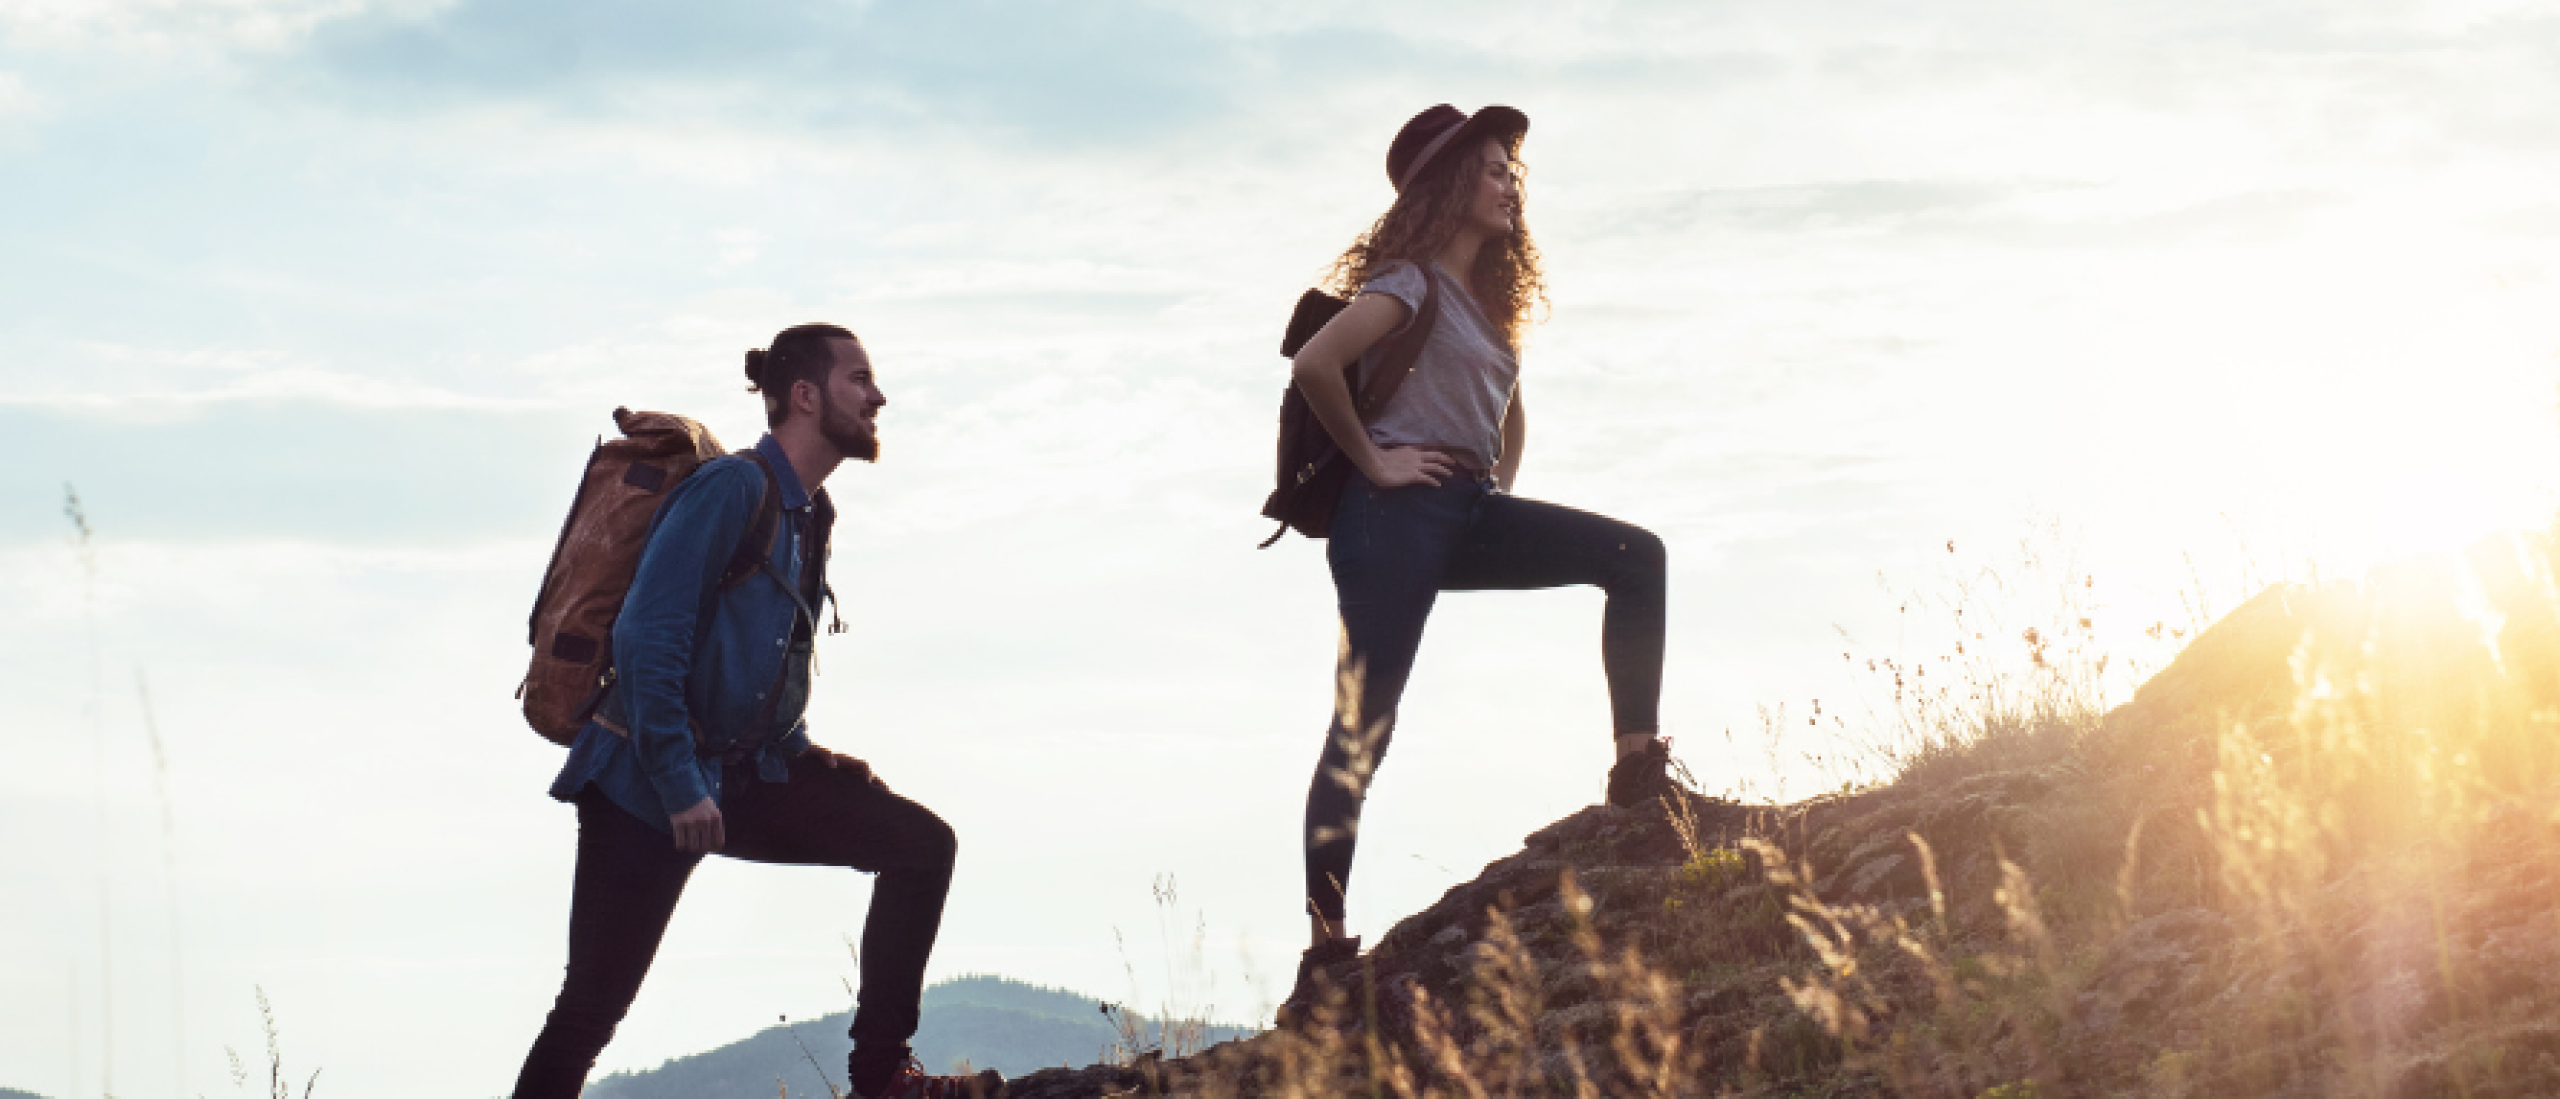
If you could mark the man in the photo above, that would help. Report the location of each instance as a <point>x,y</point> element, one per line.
<point>699,746</point>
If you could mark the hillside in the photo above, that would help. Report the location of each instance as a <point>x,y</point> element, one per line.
<point>2314,856</point>
<point>984,1020</point>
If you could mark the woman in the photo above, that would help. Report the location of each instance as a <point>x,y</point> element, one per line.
<point>1428,508</point>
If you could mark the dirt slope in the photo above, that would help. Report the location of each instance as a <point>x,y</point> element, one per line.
<point>2312,857</point>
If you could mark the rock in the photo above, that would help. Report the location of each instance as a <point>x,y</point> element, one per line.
<point>1589,1022</point>
<point>1878,875</point>
<point>2441,986</point>
<point>1572,982</point>
<point>2153,966</point>
<point>1093,1082</point>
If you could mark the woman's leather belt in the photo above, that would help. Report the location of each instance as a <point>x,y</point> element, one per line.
<point>1458,460</point>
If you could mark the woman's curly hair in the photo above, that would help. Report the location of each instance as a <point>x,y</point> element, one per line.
<point>1506,280</point>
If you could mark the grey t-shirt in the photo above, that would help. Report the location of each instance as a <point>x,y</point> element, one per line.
<point>1461,383</point>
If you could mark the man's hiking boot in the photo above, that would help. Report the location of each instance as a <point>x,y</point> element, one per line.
<point>1308,995</point>
<point>911,1082</point>
<point>1640,777</point>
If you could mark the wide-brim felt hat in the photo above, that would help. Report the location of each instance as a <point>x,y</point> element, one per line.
<point>1439,128</point>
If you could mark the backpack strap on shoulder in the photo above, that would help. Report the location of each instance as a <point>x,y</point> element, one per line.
<point>823,517</point>
<point>1311,463</point>
<point>1403,354</point>
<point>758,543</point>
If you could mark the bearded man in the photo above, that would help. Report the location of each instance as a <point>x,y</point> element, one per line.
<point>699,745</point>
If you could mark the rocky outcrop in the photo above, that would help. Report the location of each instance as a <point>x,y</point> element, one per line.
<point>2316,855</point>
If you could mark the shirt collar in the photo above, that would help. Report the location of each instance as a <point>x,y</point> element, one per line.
<point>793,496</point>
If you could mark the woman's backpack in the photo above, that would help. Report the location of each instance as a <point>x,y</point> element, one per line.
<point>571,627</point>
<point>1312,468</point>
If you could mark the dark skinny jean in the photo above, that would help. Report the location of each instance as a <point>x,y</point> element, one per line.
<point>1393,551</point>
<point>630,874</point>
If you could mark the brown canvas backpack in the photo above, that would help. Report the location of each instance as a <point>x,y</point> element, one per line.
<point>1312,469</point>
<point>571,627</point>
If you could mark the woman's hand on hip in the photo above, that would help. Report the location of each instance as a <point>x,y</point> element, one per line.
<point>1397,467</point>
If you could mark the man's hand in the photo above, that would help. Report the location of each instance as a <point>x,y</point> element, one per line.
<point>837,761</point>
<point>698,828</point>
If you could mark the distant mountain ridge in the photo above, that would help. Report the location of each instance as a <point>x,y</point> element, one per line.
<point>991,1022</point>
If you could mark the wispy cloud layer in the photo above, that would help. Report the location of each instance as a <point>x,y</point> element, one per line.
<point>1040,73</point>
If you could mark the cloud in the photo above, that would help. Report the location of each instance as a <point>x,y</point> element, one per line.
<point>1870,204</point>
<point>2528,221</point>
<point>125,383</point>
<point>738,248</point>
<point>160,26</point>
<point>16,100</point>
<point>2021,213</point>
<point>1051,73</point>
<point>417,477</point>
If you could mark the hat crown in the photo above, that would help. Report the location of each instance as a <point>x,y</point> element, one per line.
<point>1426,135</point>
<point>1417,138</point>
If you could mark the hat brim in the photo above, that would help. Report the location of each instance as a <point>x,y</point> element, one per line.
<point>1493,121</point>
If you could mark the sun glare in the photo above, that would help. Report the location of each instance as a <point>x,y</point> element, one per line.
<point>2408,477</point>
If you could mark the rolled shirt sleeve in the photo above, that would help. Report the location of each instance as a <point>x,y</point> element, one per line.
<point>1404,282</point>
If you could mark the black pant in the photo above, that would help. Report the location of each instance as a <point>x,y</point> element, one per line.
<point>1393,551</point>
<point>629,875</point>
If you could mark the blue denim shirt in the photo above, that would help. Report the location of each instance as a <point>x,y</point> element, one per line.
<point>690,655</point>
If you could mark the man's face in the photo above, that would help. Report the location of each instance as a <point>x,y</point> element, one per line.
<point>849,404</point>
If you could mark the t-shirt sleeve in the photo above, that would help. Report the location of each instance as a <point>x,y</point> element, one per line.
<point>1402,281</point>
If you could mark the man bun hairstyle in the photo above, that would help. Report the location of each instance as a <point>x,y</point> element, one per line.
<point>798,354</point>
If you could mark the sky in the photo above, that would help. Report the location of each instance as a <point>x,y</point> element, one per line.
<point>1868,309</point>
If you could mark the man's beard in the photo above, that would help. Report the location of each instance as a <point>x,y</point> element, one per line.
<point>845,432</point>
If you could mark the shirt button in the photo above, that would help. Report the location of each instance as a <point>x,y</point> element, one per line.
<point>781,642</point>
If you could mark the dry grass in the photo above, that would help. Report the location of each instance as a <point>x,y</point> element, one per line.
<point>2313,856</point>
<point>1181,1024</point>
<point>278,1085</point>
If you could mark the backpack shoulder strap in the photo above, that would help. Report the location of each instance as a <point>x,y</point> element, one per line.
<point>824,518</point>
<point>751,551</point>
<point>1315,310</point>
<point>1403,353</point>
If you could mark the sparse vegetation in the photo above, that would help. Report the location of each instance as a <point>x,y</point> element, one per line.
<point>278,1085</point>
<point>1179,1028</point>
<point>2312,856</point>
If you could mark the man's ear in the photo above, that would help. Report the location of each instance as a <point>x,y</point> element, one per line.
<point>808,402</point>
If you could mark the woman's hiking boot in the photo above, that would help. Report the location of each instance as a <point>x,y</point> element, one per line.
<point>1640,777</point>
<point>910,1081</point>
<point>1307,998</point>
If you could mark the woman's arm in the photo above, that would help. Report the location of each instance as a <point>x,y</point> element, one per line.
<point>1515,437</point>
<point>1318,372</point>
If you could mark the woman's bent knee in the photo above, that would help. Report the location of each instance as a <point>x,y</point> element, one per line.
<point>936,844</point>
<point>1641,551</point>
